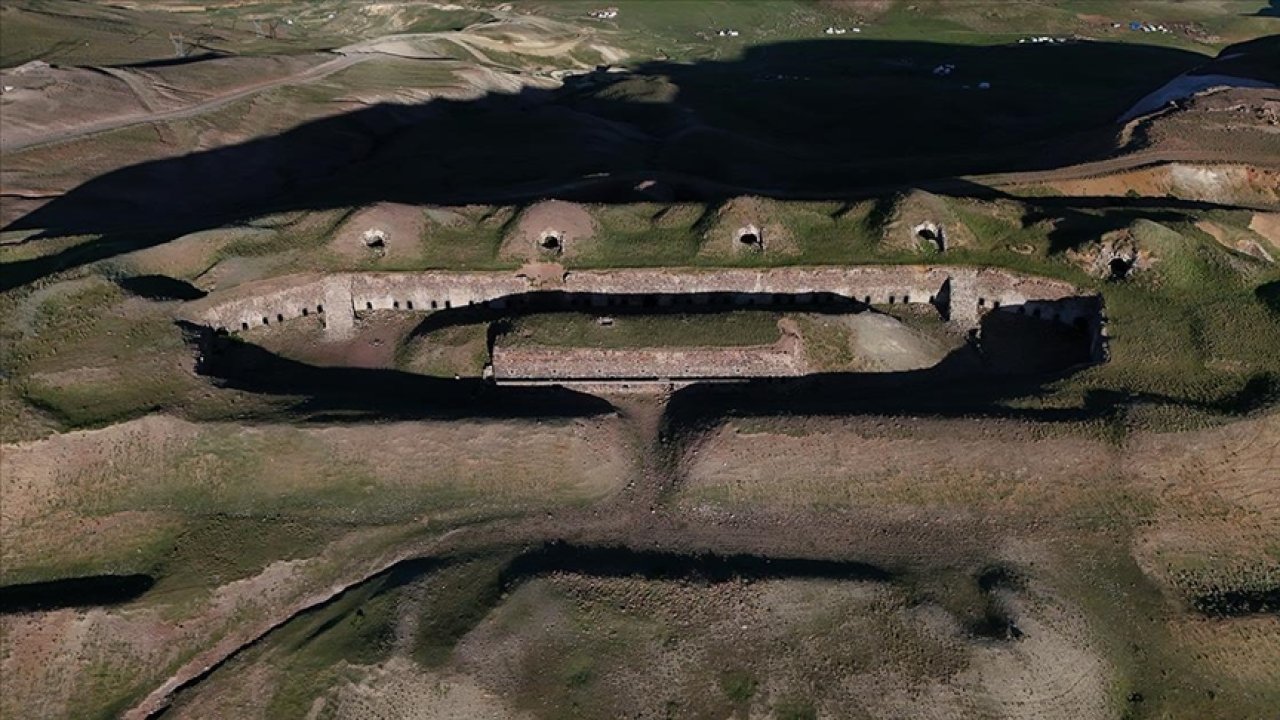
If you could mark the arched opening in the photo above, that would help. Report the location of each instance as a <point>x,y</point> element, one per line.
<point>319,309</point>
<point>749,238</point>
<point>305,312</point>
<point>408,304</point>
<point>1120,268</point>
<point>244,326</point>
<point>368,306</point>
<point>375,239</point>
<point>932,234</point>
<point>551,242</point>
<point>279,317</point>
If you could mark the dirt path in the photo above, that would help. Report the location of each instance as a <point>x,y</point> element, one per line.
<point>319,72</point>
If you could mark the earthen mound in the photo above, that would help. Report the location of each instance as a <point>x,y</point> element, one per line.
<point>746,225</point>
<point>920,221</point>
<point>1117,255</point>
<point>549,230</point>
<point>380,231</point>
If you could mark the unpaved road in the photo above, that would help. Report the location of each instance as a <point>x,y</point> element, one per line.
<point>309,75</point>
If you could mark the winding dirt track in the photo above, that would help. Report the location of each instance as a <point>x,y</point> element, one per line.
<point>319,72</point>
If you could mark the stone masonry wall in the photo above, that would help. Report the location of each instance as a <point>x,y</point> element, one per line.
<point>965,292</point>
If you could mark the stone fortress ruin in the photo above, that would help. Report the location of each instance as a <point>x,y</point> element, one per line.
<point>962,296</point>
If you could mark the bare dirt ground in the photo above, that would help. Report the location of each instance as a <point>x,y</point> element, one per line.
<point>1228,184</point>
<point>400,688</point>
<point>1268,226</point>
<point>1239,242</point>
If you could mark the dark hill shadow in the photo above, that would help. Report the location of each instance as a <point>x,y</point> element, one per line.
<point>809,119</point>
<point>341,393</point>
<point>1272,10</point>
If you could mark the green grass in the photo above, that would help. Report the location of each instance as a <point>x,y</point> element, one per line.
<point>795,708</point>
<point>312,650</point>
<point>827,343</point>
<point>738,685</point>
<point>455,600</point>
<point>458,350</point>
<point>729,329</point>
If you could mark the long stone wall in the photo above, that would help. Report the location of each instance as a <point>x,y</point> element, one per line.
<point>962,293</point>
<point>521,364</point>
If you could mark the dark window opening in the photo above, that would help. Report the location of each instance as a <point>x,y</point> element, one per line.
<point>550,242</point>
<point>434,304</point>
<point>368,306</point>
<point>305,312</point>
<point>408,304</point>
<point>749,239</point>
<point>279,317</point>
<point>395,304</point>
<point>319,309</point>
<point>244,326</point>
<point>448,303</point>
<point>265,321</point>
<point>982,302</point>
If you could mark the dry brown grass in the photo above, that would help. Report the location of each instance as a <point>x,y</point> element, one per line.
<point>156,467</point>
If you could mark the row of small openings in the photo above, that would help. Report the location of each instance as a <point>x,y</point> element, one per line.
<point>408,304</point>
<point>893,299</point>
<point>266,320</point>
<point>995,304</point>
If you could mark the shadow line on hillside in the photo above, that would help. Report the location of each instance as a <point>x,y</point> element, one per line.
<point>852,124</point>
